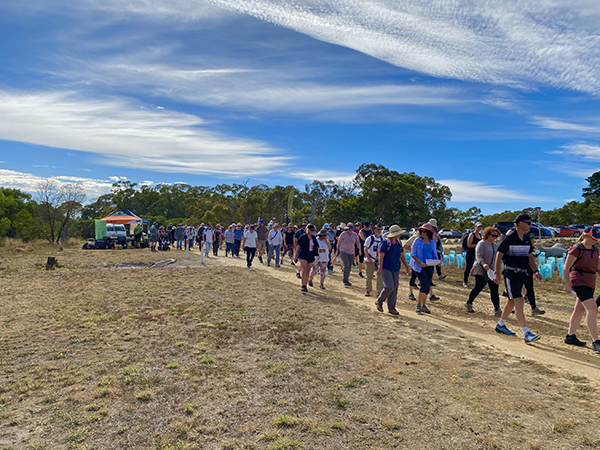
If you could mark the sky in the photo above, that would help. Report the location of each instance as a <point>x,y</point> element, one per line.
<point>498,100</point>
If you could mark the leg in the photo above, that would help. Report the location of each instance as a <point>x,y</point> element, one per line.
<point>391,300</point>
<point>388,286</point>
<point>313,272</point>
<point>470,259</point>
<point>591,321</point>
<point>323,270</point>
<point>347,258</point>
<point>479,285</point>
<point>575,320</point>
<point>277,253</point>
<point>493,293</point>
<point>269,254</point>
<point>306,268</point>
<point>370,272</point>
<point>530,292</point>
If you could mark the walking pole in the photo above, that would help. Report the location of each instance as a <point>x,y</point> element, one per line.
<point>187,249</point>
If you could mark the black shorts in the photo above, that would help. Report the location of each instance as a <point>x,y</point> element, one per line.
<point>583,292</point>
<point>425,276</point>
<point>361,258</point>
<point>514,283</point>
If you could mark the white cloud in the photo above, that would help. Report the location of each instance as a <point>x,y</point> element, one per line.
<point>556,124</point>
<point>28,182</point>
<point>511,42</point>
<point>323,175</point>
<point>478,192</point>
<point>587,152</point>
<point>125,135</point>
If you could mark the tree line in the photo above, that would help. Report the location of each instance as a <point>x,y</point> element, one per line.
<point>376,194</point>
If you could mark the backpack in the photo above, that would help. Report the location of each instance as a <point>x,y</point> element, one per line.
<point>464,242</point>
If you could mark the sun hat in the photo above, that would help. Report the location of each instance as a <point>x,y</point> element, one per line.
<point>428,227</point>
<point>323,232</point>
<point>261,221</point>
<point>478,224</point>
<point>238,224</point>
<point>594,232</point>
<point>395,230</point>
<point>522,218</point>
<point>433,223</point>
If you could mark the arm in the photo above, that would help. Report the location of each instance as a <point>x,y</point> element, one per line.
<point>357,245</point>
<point>479,256</point>
<point>404,263</point>
<point>380,266</point>
<point>497,267</point>
<point>533,266</point>
<point>567,270</point>
<point>470,241</point>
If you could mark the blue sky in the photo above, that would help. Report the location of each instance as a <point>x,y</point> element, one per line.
<point>499,101</point>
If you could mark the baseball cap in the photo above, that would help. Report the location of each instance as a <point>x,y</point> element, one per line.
<point>310,226</point>
<point>478,224</point>
<point>379,227</point>
<point>261,221</point>
<point>522,218</point>
<point>593,232</point>
<point>326,226</point>
<point>366,224</point>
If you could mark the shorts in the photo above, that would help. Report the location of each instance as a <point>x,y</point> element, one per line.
<point>514,283</point>
<point>261,245</point>
<point>361,258</point>
<point>425,276</point>
<point>137,237</point>
<point>583,292</point>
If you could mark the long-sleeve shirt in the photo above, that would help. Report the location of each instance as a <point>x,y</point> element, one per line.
<point>484,254</point>
<point>419,249</point>
<point>275,238</point>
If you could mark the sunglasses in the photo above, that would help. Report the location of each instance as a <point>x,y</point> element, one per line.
<point>527,222</point>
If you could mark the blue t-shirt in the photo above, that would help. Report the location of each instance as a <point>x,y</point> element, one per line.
<point>393,253</point>
<point>238,234</point>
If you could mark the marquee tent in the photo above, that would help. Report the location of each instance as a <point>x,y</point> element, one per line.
<point>126,218</point>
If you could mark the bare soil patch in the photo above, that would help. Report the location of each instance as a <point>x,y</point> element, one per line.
<point>218,356</point>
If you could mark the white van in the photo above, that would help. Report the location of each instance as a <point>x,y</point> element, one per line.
<point>115,230</point>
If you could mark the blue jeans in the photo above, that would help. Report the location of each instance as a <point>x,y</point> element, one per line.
<point>270,250</point>
<point>228,248</point>
<point>207,247</point>
<point>179,243</point>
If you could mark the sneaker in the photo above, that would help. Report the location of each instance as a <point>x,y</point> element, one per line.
<point>498,312</point>
<point>469,307</point>
<point>321,286</point>
<point>268,264</point>
<point>425,309</point>
<point>310,283</point>
<point>596,346</point>
<point>412,297</point>
<point>503,330</point>
<point>393,312</point>
<point>292,263</point>
<point>441,277</point>
<point>367,294</point>
<point>530,337</point>
<point>260,259</point>
<point>248,265</point>
<point>571,339</point>
<point>347,283</point>
<point>537,311</point>
<point>329,271</point>
<point>304,289</point>
<point>298,275</point>
<point>418,308</point>
<point>433,297</point>
<point>276,265</point>
<point>378,306</point>
<point>360,275</point>
<point>465,285</point>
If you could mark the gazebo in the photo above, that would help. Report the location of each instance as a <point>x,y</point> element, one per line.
<point>126,218</point>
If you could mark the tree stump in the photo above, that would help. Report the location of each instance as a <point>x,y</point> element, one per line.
<point>51,263</point>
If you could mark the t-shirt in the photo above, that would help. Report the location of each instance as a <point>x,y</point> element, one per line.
<point>347,242</point>
<point>587,265</point>
<point>229,236</point>
<point>251,238</point>
<point>299,233</point>
<point>209,236</point>
<point>261,231</point>
<point>393,253</point>
<point>516,251</point>
<point>289,237</point>
<point>372,246</point>
<point>323,249</point>
<point>238,233</point>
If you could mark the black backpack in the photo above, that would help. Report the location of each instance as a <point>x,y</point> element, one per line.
<point>464,242</point>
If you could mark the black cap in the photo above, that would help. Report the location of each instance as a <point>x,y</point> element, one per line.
<point>379,227</point>
<point>311,227</point>
<point>366,224</point>
<point>522,218</point>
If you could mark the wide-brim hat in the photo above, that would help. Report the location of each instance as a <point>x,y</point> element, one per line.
<point>323,232</point>
<point>594,232</point>
<point>433,223</point>
<point>428,227</point>
<point>395,231</point>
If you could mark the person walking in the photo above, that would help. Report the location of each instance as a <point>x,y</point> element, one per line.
<point>249,243</point>
<point>469,247</point>
<point>297,236</point>
<point>348,243</point>
<point>238,235</point>
<point>217,241</point>
<point>307,250</point>
<point>209,239</point>
<point>423,249</point>
<point>262,232</point>
<point>288,237</point>
<point>371,249</point>
<point>363,234</point>
<point>580,270</point>
<point>228,236</point>
<point>180,235</point>
<point>153,236</point>
<point>485,255</point>
<point>516,252</point>
<point>320,264</point>
<point>274,242</point>
<point>390,257</point>
<point>137,235</point>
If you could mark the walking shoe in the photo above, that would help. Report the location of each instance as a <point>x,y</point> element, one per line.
<point>310,283</point>
<point>276,265</point>
<point>329,271</point>
<point>260,259</point>
<point>393,312</point>
<point>418,308</point>
<point>465,285</point>
<point>537,311</point>
<point>292,263</point>
<point>360,275</point>
<point>571,339</point>
<point>505,294</point>
<point>503,330</point>
<point>441,277</point>
<point>378,306</point>
<point>321,286</point>
<point>530,337</point>
<point>268,264</point>
<point>425,309</point>
<point>304,289</point>
<point>298,275</point>
<point>596,346</point>
<point>469,307</point>
<point>347,283</point>
<point>433,298</point>
<point>412,297</point>
<point>498,312</point>
<point>367,294</point>
<point>248,265</point>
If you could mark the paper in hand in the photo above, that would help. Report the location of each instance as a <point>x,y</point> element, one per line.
<point>490,274</point>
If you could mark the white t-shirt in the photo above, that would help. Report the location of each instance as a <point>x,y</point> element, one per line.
<point>209,235</point>
<point>251,238</point>
<point>372,246</point>
<point>323,250</point>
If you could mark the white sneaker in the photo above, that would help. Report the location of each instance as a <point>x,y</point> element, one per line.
<point>465,285</point>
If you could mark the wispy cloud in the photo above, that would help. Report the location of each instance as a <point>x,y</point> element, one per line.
<point>323,175</point>
<point>479,192</point>
<point>28,182</point>
<point>557,124</point>
<point>588,152</point>
<point>512,43</point>
<point>124,134</point>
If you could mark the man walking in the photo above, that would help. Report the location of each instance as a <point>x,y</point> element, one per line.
<point>261,245</point>
<point>348,242</point>
<point>371,250</point>
<point>274,241</point>
<point>209,238</point>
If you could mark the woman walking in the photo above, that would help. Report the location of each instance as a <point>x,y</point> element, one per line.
<point>423,248</point>
<point>581,267</point>
<point>307,250</point>
<point>320,264</point>
<point>249,243</point>
<point>469,247</point>
<point>485,254</point>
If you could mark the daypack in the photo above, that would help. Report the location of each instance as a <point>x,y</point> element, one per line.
<point>464,242</point>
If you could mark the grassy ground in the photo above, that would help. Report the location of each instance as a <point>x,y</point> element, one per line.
<point>107,353</point>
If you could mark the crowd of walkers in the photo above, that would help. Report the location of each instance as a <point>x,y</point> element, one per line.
<point>377,252</point>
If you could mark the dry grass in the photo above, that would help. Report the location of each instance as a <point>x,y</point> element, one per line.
<point>99,354</point>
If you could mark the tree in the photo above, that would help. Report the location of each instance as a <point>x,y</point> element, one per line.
<point>57,208</point>
<point>592,192</point>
